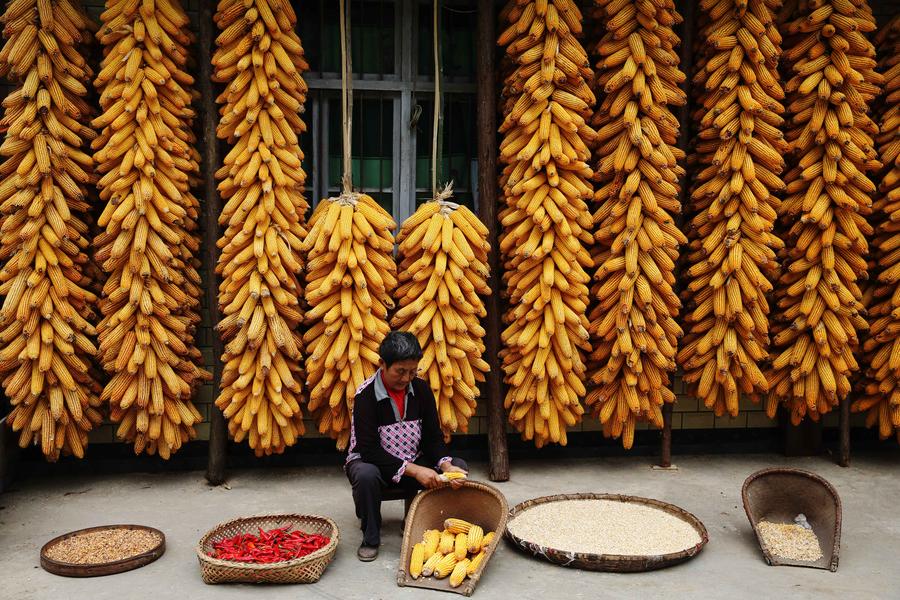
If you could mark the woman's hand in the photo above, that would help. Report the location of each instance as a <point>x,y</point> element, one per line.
<point>428,478</point>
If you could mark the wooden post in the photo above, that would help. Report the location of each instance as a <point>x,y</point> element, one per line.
<point>486,119</point>
<point>844,452</point>
<point>212,206</point>
<point>689,13</point>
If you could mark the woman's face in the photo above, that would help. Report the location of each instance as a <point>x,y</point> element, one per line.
<point>400,374</point>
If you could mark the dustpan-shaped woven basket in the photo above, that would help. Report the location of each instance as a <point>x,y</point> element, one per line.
<point>306,569</point>
<point>780,494</point>
<point>475,502</point>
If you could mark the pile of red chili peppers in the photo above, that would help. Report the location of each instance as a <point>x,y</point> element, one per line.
<point>275,545</point>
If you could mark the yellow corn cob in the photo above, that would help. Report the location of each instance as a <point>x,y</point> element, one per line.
<point>488,537</point>
<point>431,540</point>
<point>445,566</point>
<point>459,572</point>
<point>448,542</point>
<point>431,563</point>
<point>417,560</point>
<point>475,539</point>
<point>461,546</point>
<point>453,475</point>
<point>475,562</point>
<point>456,526</point>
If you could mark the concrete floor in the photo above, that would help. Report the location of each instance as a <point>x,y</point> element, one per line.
<point>184,507</point>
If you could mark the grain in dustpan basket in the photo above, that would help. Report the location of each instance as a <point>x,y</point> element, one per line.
<point>458,530</point>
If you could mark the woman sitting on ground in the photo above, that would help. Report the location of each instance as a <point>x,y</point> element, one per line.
<point>395,437</point>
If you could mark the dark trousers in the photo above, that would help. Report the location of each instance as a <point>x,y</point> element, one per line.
<point>368,484</point>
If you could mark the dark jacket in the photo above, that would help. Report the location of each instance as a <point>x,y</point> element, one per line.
<point>371,413</point>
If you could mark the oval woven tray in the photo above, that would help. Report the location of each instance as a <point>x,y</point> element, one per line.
<point>608,562</point>
<point>307,569</point>
<point>98,569</point>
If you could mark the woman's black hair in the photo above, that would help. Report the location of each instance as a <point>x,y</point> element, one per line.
<point>399,346</point>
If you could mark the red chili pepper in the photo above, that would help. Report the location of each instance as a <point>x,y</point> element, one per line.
<point>270,546</point>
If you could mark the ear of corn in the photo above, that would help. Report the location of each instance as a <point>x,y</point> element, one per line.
<point>488,538</point>
<point>443,267</point>
<point>461,546</point>
<point>448,542</point>
<point>879,395</point>
<point>475,562</point>
<point>350,280</point>
<point>47,281</point>
<point>459,573</point>
<point>546,224</point>
<point>445,566</point>
<point>432,540</point>
<point>417,560</point>
<point>260,58</point>
<point>431,563</point>
<point>475,539</point>
<point>823,216</point>
<point>148,163</point>
<point>455,526</point>
<point>633,327</point>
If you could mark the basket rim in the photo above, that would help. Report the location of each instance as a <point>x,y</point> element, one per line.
<point>672,509</point>
<point>326,552</point>
<point>774,559</point>
<point>114,563</point>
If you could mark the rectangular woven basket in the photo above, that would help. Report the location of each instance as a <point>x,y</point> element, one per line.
<point>307,569</point>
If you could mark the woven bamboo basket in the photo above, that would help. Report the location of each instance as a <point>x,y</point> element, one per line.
<point>307,569</point>
<point>609,562</point>
<point>475,502</point>
<point>780,494</point>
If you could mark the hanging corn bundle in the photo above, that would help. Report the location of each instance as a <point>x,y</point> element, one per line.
<point>881,393</point>
<point>633,324</point>
<point>46,330</point>
<point>148,240</point>
<point>351,278</point>
<point>546,223</point>
<point>739,160</point>
<point>260,58</point>
<point>823,216</point>
<point>443,269</point>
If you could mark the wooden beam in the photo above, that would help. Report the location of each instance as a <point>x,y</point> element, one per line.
<point>486,119</point>
<point>844,451</point>
<point>688,11</point>
<point>212,206</point>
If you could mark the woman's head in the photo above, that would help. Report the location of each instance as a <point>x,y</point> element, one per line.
<point>400,353</point>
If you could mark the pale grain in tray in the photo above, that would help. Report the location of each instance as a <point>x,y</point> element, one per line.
<point>604,527</point>
<point>790,541</point>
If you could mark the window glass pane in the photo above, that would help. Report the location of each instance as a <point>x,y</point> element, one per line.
<point>458,25</point>
<point>372,31</point>
<point>371,148</point>
<point>458,161</point>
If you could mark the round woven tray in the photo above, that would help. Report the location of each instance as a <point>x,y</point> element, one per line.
<point>307,569</point>
<point>608,562</point>
<point>97,569</point>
